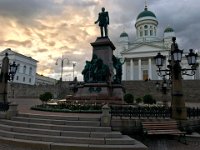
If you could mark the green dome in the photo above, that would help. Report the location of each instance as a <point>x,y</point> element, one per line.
<point>124,34</point>
<point>168,29</point>
<point>146,13</point>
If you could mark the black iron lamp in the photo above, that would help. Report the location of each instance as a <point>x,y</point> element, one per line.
<point>191,57</point>
<point>12,71</point>
<point>177,55</point>
<point>159,60</point>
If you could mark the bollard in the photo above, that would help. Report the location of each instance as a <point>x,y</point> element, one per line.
<point>106,116</point>
<point>12,111</point>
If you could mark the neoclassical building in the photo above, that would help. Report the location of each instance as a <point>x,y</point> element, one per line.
<point>138,55</point>
<point>27,66</point>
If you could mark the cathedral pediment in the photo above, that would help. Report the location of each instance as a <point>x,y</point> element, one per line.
<point>143,48</point>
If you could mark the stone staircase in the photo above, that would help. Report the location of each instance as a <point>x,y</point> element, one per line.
<point>63,133</point>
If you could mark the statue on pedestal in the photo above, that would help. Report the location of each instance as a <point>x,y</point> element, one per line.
<point>103,20</point>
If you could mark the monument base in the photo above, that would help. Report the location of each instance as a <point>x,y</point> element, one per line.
<point>99,93</point>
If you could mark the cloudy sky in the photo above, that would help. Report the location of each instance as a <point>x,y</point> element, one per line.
<point>49,29</point>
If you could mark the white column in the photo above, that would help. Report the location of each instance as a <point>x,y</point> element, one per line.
<point>150,69</point>
<point>124,71</point>
<point>131,69</point>
<point>140,69</point>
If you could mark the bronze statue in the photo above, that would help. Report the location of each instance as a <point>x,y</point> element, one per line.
<point>103,20</point>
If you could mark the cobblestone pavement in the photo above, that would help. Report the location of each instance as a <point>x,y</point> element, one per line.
<point>158,144</point>
<point>166,144</point>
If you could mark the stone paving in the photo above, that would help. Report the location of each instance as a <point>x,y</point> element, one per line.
<point>166,144</point>
<point>153,144</point>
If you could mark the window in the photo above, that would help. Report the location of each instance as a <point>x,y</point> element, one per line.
<point>151,32</point>
<point>24,69</point>
<point>141,33</point>
<point>145,32</point>
<point>17,78</point>
<point>24,79</point>
<point>18,68</point>
<point>29,80</point>
<point>30,71</point>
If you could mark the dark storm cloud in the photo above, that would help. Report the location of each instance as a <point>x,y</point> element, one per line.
<point>26,43</point>
<point>182,16</point>
<point>41,50</point>
<point>80,3</point>
<point>25,10</point>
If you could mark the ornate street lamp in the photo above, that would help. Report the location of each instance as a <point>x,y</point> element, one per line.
<point>73,67</point>
<point>191,58</point>
<point>175,72</point>
<point>159,60</point>
<point>177,54</point>
<point>62,65</point>
<point>12,71</point>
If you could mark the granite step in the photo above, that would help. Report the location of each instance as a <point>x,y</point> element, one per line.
<point>55,127</point>
<point>55,117</point>
<point>57,122</point>
<point>112,134</point>
<point>125,140</point>
<point>36,145</point>
<point>62,132</point>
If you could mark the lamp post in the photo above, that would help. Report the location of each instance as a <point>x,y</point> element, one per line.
<point>62,65</point>
<point>175,71</point>
<point>7,74</point>
<point>73,67</point>
<point>13,69</point>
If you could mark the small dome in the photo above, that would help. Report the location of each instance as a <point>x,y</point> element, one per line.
<point>124,34</point>
<point>146,13</point>
<point>168,29</point>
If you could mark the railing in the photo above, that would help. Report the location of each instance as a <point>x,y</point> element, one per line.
<point>140,112</point>
<point>148,112</point>
<point>4,106</point>
<point>193,112</point>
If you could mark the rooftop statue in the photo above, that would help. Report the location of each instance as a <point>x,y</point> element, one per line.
<point>103,20</point>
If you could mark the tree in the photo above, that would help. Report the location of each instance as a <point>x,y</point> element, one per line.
<point>46,97</point>
<point>148,99</point>
<point>128,98</point>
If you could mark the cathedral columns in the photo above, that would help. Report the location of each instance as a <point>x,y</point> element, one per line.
<point>150,69</point>
<point>124,71</point>
<point>140,69</point>
<point>131,69</point>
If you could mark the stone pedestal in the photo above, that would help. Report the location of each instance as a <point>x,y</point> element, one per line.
<point>100,91</point>
<point>103,48</point>
<point>98,75</point>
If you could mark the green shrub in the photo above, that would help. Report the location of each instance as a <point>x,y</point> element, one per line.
<point>138,100</point>
<point>148,99</point>
<point>128,98</point>
<point>46,97</point>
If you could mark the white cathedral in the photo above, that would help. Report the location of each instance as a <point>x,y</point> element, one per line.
<point>138,56</point>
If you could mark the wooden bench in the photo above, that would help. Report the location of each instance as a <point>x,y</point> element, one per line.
<point>162,127</point>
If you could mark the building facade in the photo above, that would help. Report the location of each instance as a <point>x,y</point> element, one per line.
<point>27,66</point>
<point>138,55</point>
<point>43,80</point>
